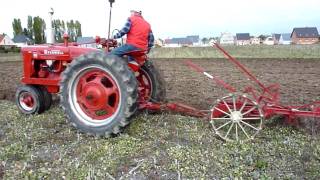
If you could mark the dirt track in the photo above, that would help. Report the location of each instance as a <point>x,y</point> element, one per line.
<point>299,79</point>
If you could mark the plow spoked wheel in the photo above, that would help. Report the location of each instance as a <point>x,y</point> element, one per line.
<point>99,94</point>
<point>236,118</point>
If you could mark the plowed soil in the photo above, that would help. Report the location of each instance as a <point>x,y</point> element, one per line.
<point>299,79</point>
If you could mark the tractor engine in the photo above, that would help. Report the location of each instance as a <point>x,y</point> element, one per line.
<point>43,65</point>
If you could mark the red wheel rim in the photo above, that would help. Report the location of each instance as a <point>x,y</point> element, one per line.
<point>97,94</point>
<point>144,85</point>
<point>27,101</point>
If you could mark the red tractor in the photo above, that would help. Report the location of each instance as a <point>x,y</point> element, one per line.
<point>98,92</point>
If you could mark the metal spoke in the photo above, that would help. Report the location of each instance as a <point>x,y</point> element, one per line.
<point>249,125</point>
<point>225,137</point>
<point>244,130</point>
<point>244,104</point>
<point>222,111</point>
<point>221,118</point>
<point>257,118</point>
<point>225,103</point>
<point>239,121</point>
<point>234,102</point>
<point>250,110</point>
<point>224,125</point>
<point>237,137</point>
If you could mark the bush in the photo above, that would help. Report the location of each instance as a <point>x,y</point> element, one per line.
<point>9,49</point>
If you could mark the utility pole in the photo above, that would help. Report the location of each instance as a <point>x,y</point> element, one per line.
<point>50,30</point>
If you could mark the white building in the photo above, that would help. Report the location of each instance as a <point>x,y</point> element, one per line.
<point>227,38</point>
<point>285,39</point>
<point>5,40</point>
<point>269,41</point>
<point>255,40</point>
<point>243,39</point>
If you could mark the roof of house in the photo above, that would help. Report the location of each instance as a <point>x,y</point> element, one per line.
<point>286,37</point>
<point>21,39</point>
<point>243,36</point>
<point>85,40</point>
<point>276,36</point>
<point>306,32</point>
<point>178,41</point>
<point>194,39</point>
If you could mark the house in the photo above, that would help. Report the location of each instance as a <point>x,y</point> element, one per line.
<point>182,42</point>
<point>159,43</point>
<point>242,38</point>
<point>255,40</point>
<point>276,38</point>
<point>178,42</point>
<point>285,39</point>
<point>269,41</point>
<point>305,35</point>
<point>5,40</point>
<point>87,42</point>
<point>226,38</point>
<point>22,40</point>
<point>195,40</point>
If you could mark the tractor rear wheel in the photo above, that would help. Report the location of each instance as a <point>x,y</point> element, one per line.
<point>30,100</point>
<point>150,83</point>
<point>99,94</point>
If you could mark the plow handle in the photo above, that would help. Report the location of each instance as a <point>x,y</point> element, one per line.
<point>240,66</point>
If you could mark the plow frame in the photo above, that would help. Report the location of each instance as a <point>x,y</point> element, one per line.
<point>266,97</point>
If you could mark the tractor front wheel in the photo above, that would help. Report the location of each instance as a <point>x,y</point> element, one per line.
<point>99,94</point>
<point>30,100</point>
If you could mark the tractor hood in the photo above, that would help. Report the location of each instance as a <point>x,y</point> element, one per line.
<point>58,51</point>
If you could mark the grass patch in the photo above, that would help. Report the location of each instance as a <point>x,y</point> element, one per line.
<point>10,57</point>
<point>258,51</point>
<point>162,146</point>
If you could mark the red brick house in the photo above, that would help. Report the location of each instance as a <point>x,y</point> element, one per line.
<point>307,35</point>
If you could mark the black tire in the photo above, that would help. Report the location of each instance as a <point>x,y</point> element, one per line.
<point>125,80</point>
<point>47,98</point>
<point>158,90</point>
<point>35,94</point>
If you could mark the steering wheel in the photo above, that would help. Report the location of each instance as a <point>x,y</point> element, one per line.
<point>117,31</point>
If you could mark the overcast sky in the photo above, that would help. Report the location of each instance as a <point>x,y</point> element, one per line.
<point>173,18</point>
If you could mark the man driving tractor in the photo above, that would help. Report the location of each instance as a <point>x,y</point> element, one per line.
<point>139,35</point>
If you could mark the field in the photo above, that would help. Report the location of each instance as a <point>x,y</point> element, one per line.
<point>167,146</point>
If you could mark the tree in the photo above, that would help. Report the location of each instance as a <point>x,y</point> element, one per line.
<point>78,29</point>
<point>71,31</point>
<point>25,32</point>
<point>39,27</point>
<point>30,27</point>
<point>204,40</point>
<point>17,27</point>
<point>57,30</point>
<point>262,37</point>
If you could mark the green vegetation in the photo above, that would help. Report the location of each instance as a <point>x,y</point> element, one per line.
<point>258,51</point>
<point>161,146</point>
<point>4,50</point>
<point>36,26</point>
